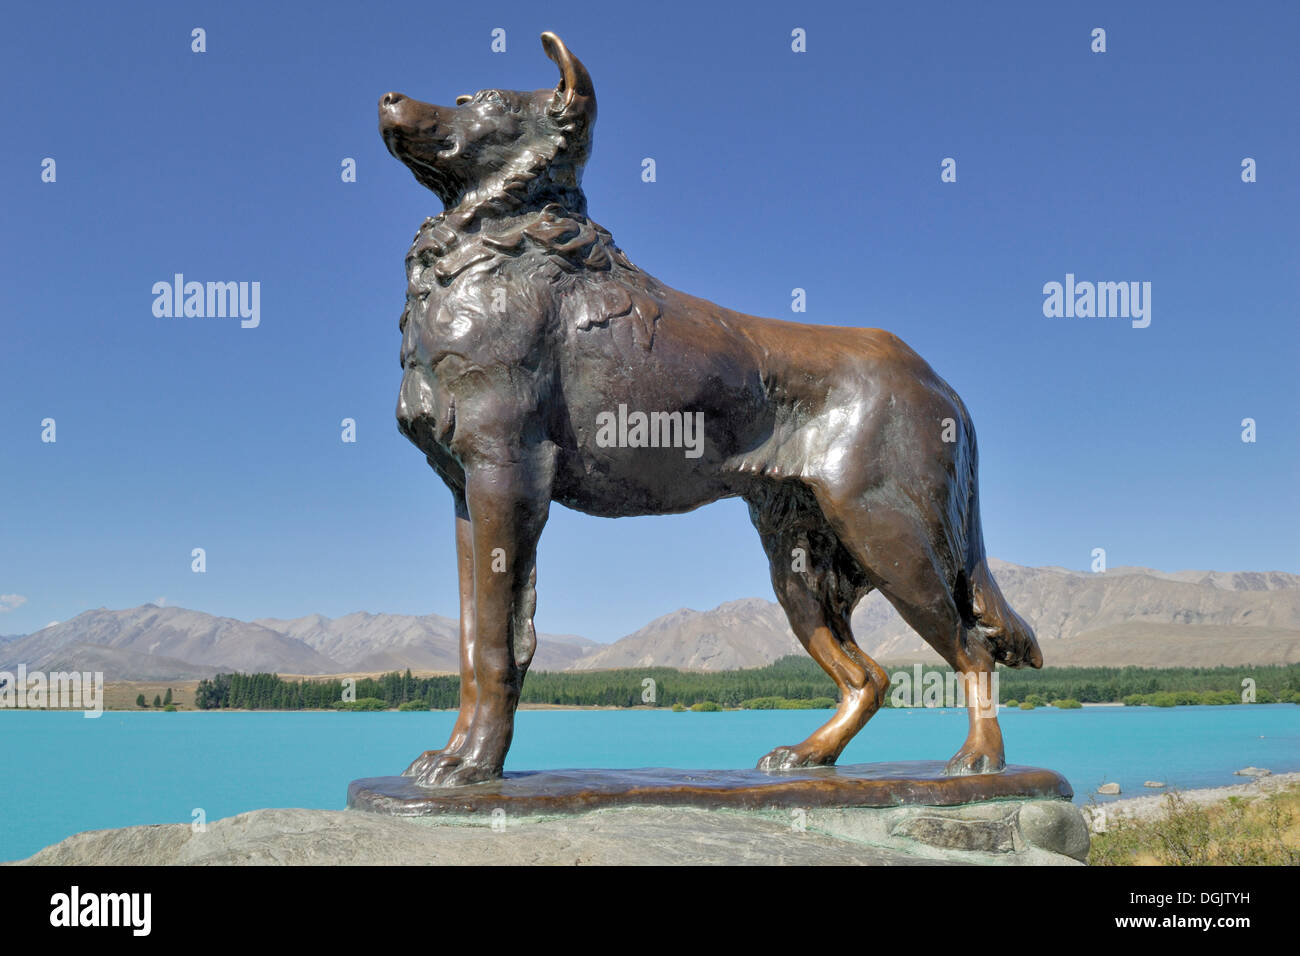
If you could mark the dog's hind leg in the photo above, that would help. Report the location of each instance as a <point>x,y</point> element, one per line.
<point>900,553</point>
<point>817,586</point>
<point>468,686</point>
<point>930,609</point>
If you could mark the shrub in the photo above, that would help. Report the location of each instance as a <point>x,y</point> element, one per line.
<point>679,707</point>
<point>1066,704</point>
<point>414,705</point>
<point>365,703</point>
<point>1219,697</point>
<point>785,703</point>
<point>1012,703</point>
<point>705,706</point>
<point>1027,705</point>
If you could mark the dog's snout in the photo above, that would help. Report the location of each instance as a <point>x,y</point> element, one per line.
<point>391,99</point>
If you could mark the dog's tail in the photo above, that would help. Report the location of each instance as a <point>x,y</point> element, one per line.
<point>1007,634</point>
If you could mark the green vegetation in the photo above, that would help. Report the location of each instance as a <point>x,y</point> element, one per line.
<point>790,678</point>
<point>792,682</point>
<point>1260,832</point>
<point>269,692</point>
<point>785,703</point>
<point>1169,698</point>
<point>1066,704</point>
<point>139,701</point>
<point>706,706</point>
<point>1096,685</point>
<point>363,703</point>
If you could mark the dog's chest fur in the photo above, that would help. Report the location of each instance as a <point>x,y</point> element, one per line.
<point>486,312</point>
<point>462,325</point>
<point>457,299</point>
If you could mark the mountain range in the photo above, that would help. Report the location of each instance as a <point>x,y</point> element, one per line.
<point>1122,616</point>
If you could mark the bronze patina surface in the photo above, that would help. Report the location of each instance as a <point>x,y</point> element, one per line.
<point>920,782</point>
<point>528,334</point>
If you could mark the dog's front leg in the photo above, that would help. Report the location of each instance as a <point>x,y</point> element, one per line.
<point>508,505</point>
<point>468,686</point>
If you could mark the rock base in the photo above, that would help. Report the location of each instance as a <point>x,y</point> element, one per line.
<point>1007,832</point>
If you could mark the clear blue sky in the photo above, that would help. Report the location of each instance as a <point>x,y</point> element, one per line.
<point>775,170</point>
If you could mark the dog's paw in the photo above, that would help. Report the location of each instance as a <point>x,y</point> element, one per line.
<point>967,762</point>
<point>422,763</point>
<point>450,770</point>
<point>792,758</point>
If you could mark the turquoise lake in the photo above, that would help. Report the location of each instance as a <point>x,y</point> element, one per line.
<point>64,773</point>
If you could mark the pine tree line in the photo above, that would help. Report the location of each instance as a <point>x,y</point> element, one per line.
<point>791,678</point>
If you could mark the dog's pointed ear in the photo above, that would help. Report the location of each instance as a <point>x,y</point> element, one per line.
<point>575,96</point>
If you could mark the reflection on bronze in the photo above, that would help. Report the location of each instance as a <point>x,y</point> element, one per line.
<point>541,365</point>
<point>922,782</point>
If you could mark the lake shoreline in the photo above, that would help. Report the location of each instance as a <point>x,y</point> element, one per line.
<point>524,706</point>
<point>1155,804</point>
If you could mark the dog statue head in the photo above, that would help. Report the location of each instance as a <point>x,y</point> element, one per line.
<point>500,148</point>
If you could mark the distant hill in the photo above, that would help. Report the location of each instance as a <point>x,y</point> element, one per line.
<point>383,642</point>
<point>191,638</point>
<point>118,664</point>
<point>1147,613</point>
<point>1125,616</point>
<point>746,633</point>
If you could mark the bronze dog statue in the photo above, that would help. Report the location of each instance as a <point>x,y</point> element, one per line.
<point>528,336</point>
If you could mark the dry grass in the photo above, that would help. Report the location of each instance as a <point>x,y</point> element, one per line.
<point>1259,831</point>
<point>121,695</point>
